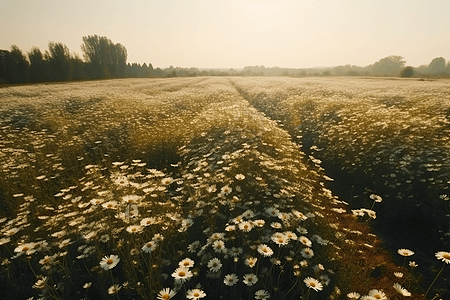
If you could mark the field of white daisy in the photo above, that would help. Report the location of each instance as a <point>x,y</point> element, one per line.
<point>225,188</point>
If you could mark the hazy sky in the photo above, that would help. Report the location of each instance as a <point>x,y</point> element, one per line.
<point>238,33</point>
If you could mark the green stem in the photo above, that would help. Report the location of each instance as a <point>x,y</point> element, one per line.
<point>434,280</point>
<point>307,294</point>
<point>292,287</point>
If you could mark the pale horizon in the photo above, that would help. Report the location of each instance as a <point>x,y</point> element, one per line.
<point>233,34</point>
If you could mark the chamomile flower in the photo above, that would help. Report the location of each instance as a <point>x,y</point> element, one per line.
<point>27,248</point>
<point>182,274</point>
<point>377,294</point>
<point>226,189</point>
<point>259,223</point>
<point>305,241</point>
<point>262,295</point>
<point>230,228</point>
<point>110,205</point>
<point>276,225</point>
<point>290,235</point>
<point>250,279</point>
<point>413,264</point>
<point>129,199</point>
<point>87,285</point>
<point>149,246</point>
<point>148,221</point>
<point>219,246</point>
<point>312,283</point>
<point>216,236</point>
<point>195,294</point>
<point>114,289</point>
<point>307,252</point>
<point>444,256</point>
<point>134,229</point>
<point>41,283</point>
<point>240,176</point>
<point>166,294</point>
<point>405,252</point>
<point>251,261</point>
<point>187,262</point>
<point>245,226</point>
<point>214,264</point>
<point>235,252</point>
<point>167,180</point>
<point>280,239</point>
<point>401,290</point>
<point>109,262</point>
<point>353,295</point>
<point>272,211</point>
<point>376,198</point>
<point>265,250</point>
<point>230,279</point>
<point>193,246</point>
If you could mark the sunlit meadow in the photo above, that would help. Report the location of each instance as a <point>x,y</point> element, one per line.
<point>214,188</point>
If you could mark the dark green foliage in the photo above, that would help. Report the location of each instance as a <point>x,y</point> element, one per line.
<point>407,72</point>
<point>105,59</point>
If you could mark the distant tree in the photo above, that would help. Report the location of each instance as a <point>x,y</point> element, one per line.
<point>172,74</point>
<point>407,71</point>
<point>39,68</point>
<point>77,68</point>
<point>437,66</point>
<point>105,59</point>
<point>388,66</point>
<point>92,55</point>
<point>5,66</point>
<point>18,66</point>
<point>58,57</point>
<point>158,72</point>
<point>121,56</point>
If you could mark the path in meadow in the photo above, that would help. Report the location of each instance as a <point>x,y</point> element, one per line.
<point>387,138</point>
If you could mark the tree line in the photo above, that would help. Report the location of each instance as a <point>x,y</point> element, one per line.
<point>104,59</point>
<point>393,65</point>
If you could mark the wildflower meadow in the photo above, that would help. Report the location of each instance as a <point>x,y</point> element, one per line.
<point>225,188</point>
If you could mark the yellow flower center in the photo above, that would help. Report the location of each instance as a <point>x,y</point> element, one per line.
<point>312,284</point>
<point>446,256</point>
<point>110,261</point>
<point>377,296</point>
<point>165,296</point>
<point>181,274</point>
<point>25,249</point>
<point>196,294</point>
